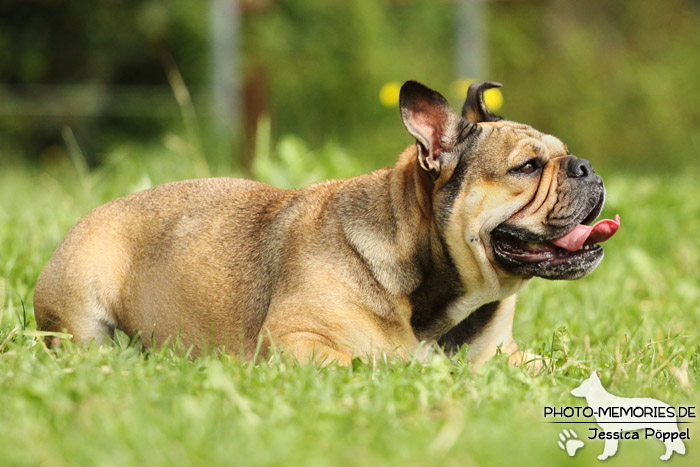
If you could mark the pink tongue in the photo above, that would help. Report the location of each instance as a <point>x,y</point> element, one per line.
<point>588,234</point>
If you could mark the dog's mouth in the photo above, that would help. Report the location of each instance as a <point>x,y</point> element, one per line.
<point>569,256</point>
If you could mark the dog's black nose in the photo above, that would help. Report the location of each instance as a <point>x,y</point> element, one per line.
<point>579,168</point>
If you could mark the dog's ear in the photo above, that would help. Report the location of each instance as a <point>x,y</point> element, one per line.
<point>430,119</point>
<point>475,109</point>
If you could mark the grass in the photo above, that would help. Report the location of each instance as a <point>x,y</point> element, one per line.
<point>635,320</point>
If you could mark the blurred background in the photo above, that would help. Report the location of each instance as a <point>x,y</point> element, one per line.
<point>240,84</point>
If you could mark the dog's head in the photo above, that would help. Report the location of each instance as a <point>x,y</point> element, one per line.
<point>587,386</point>
<point>506,196</point>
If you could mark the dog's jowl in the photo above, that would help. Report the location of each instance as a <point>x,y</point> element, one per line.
<point>428,252</point>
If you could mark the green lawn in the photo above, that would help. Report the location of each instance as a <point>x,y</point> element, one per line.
<point>635,319</point>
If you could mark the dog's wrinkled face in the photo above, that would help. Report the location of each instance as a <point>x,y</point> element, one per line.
<point>512,201</point>
<point>559,193</point>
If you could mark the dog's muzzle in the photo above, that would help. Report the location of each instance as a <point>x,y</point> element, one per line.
<point>566,245</point>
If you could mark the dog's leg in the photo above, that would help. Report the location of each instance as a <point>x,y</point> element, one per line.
<point>79,312</point>
<point>498,333</point>
<point>78,288</point>
<point>313,347</point>
<point>609,450</point>
<point>667,455</point>
<point>673,446</point>
<point>485,330</point>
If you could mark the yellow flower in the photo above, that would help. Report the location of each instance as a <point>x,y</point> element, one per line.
<point>389,94</point>
<point>493,98</point>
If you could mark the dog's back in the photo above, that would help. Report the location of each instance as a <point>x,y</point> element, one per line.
<point>191,236</point>
<point>206,260</point>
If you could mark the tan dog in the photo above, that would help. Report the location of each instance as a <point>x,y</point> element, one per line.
<point>431,250</point>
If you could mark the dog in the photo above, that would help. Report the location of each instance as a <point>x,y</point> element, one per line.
<point>598,398</point>
<point>431,251</point>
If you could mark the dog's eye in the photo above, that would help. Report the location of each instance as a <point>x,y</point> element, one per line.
<point>528,167</point>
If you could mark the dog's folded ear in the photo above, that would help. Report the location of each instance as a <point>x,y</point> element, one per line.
<point>430,119</point>
<point>475,109</point>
